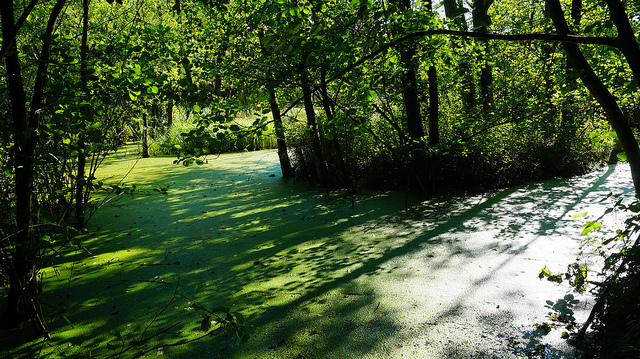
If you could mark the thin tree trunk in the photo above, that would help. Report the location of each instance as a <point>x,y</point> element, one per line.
<point>410,86</point>
<point>82,155</point>
<point>283,155</point>
<point>145,136</point>
<point>568,111</point>
<point>600,92</point>
<point>326,104</point>
<point>434,127</point>
<point>486,73</point>
<point>318,157</point>
<point>468,89</point>
<point>22,296</point>
<point>169,115</point>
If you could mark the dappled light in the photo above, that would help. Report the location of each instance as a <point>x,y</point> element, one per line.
<point>445,276</point>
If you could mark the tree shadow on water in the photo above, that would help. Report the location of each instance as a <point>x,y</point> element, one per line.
<point>323,279</point>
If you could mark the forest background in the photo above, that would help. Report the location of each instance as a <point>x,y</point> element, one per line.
<point>420,95</point>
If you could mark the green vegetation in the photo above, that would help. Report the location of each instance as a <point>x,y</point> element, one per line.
<point>423,96</point>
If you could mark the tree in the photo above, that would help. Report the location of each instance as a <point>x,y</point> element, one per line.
<point>26,118</point>
<point>410,81</point>
<point>599,91</point>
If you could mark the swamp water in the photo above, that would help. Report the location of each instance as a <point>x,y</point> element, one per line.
<point>448,277</point>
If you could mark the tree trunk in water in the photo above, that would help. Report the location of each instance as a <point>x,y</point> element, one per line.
<point>22,270</point>
<point>326,103</point>
<point>318,157</point>
<point>283,155</point>
<point>145,136</point>
<point>82,155</point>
<point>599,91</point>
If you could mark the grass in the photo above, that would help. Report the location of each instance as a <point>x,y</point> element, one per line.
<point>448,277</point>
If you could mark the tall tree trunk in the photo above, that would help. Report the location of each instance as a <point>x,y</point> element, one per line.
<point>82,155</point>
<point>410,85</point>
<point>283,155</point>
<point>22,296</point>
<point>468,89</point>
<point>479,14</point>
<point>335,142</point>
<point>434,126</point>
<point>318,157</point>
<point>599,91</point>
<point>627,42</point>
<point>568,111</point>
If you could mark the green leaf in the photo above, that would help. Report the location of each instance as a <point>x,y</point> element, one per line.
<point>544,272</point>
<point>220,309</point>
<point>205,325</point>
<point>239,318</point>
<point>458,12</point>
<point>234,128</point>
<point>196,108</point>
<point>200,287</point>
<point>622,156</point>
<point>483,21</point>
<point>590,227</point>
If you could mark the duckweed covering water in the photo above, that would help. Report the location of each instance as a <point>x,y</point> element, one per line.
<point>446,277</point>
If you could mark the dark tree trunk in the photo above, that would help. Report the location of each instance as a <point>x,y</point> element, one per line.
<point>328,110</point>
<point>599,91</point>
<point>169,115</point>
<point>568,111</point>
<point>155,115</point>
<point>486,74</point>
<point>627,42</point>
<point>434,127</point>
<point>468,89</point>
<point>283,155</point>
<point>318,157</point>
<point>22,268</point>
<point>145,136</point>
<point>410,86</point>
<point>82,155</point>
